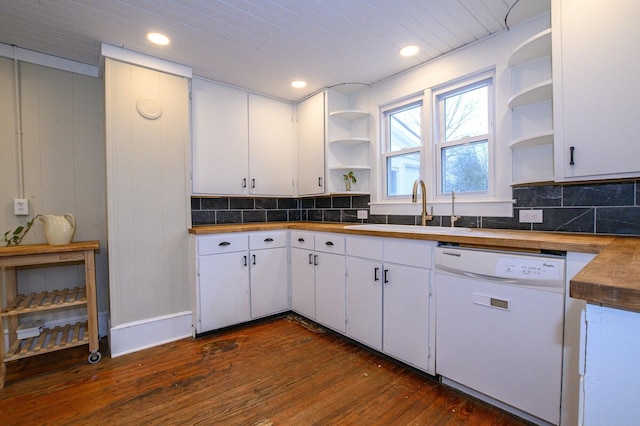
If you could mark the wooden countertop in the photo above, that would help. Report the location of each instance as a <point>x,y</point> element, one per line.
<point>611,279</point>
<point>494,238</point>
<point>29,249</point>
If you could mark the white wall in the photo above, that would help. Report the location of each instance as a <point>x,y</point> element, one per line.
<point>148,206</point>
<point>63,163</point>
<point>490,53</point>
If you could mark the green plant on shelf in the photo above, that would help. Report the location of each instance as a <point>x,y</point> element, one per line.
<point>14,237</point>
<point>349,178</point>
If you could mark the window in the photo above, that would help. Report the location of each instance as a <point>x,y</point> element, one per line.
<point>464,139</point>
<point>402,154</point>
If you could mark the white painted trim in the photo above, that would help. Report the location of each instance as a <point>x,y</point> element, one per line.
<point>145,61</point>
<point>498,208</point>
<point>137,335</point>
<point>37,58</point>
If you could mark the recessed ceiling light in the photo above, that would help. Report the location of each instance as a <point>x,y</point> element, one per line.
<point>299,84</point>
<point>158,38</point>
<point>410,50</point>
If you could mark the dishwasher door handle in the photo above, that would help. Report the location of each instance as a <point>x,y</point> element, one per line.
<point>489,278</point>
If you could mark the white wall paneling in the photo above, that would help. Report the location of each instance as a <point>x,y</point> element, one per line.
<point>63,165</point>
<point>147,197</point>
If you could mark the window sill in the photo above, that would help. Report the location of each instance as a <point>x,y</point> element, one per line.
<point>489,208</point>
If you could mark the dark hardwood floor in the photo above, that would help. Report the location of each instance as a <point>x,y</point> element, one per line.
<point>280,372</point>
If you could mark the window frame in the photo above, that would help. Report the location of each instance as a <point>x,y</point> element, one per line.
<point>439,142</point>
<point>385,113</point>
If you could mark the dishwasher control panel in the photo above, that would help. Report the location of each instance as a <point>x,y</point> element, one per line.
<point>528,268</point>
<point>540,271</point>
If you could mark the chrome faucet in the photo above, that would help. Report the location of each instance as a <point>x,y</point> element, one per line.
<point>414,198</point>
<point>454,218</point>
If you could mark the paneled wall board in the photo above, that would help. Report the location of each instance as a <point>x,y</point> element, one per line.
<point>147,193</point>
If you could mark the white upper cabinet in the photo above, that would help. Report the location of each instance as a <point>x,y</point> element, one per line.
<point>271,146</point>
<point>596,91</point>
<point>311,142</point>
<point>220,135</point>
<point>243,144</point>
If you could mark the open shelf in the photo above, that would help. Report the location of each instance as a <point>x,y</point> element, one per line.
<point>540,92</point>
<point>49,340</point>
<point>34,302</point>
<point>542,138</point>
<point>354,168</point>
<point>350,141</point>
<point>531,49</point>
<point>349,114</point>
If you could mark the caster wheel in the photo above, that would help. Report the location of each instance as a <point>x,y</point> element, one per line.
<point>94,357</point>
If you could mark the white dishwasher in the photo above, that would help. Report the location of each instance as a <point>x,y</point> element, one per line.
<point>499,328</point>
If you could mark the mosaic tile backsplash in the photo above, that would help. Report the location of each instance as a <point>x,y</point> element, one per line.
<point>603,208</point>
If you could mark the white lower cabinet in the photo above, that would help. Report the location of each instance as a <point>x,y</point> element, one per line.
<point>269,273</point>
<point>389,305</point>
<point>318,277</point>
<point>240,277</point>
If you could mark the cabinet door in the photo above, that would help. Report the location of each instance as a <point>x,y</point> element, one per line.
<point>269,289</point>
<point>406,314</point>
<point>271,146</point>
<point>303,286</point>
<point>311,136</point>
<point>596,108</point>
<point>364,301</point>
<point>224,290</point>
<point>330,290</point>
<point>220,139</point>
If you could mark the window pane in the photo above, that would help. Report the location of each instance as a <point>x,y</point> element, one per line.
<point>466,114</point>
<point>405,129</point>
<point>402,171</point>
<point>465,168</point>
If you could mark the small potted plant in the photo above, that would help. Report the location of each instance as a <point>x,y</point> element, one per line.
<point>14,237</point>
<point>349,178</point>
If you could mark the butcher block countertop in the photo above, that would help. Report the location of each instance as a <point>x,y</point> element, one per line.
<point>611,279</point>
<point>30,249</point>
<point>490,238</point>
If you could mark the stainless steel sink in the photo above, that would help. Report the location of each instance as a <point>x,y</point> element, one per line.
<point>409,229</point>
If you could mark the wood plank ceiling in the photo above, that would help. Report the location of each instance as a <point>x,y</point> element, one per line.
<point>260,45</point>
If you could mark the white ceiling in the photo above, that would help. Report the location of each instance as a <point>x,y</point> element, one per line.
<point>262,45</point>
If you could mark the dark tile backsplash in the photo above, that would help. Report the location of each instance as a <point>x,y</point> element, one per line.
<point>607,208</point>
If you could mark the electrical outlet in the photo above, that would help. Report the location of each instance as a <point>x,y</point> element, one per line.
<point>530,216</point>
<point>20,207</point>
<point>362,214</point>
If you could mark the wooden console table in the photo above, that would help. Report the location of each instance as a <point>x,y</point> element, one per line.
<point>13,304</point>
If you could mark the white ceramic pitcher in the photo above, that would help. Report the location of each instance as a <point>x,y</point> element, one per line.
<point>58,230</point>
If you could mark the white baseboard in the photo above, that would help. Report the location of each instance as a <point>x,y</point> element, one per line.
<point>138,335</point>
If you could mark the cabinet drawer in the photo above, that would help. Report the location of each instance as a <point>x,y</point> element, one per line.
<point>222,243</point>
<point>302,239</point>
<point>408,252</point>
<point>366,247</point>
<point>265,240</point>
<point>330,243</point>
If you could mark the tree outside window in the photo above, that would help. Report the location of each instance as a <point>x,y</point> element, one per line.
<point>403,148</point>
<point>463,145</point>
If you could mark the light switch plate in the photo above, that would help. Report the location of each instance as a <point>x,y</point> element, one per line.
<point>530,216</point>
<point>362,214</point>
<point>21,207</point>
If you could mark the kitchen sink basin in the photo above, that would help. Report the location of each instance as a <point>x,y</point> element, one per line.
<point>409,229</point>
